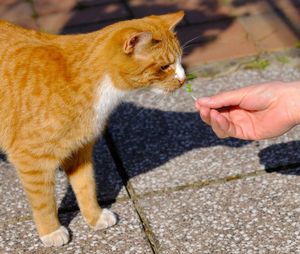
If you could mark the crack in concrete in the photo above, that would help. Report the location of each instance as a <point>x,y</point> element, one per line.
<point>209,182</point>
<point>35,15</point>
<point>14,220</point>
<point>153,242</point>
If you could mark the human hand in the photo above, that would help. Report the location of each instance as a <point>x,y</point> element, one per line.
<point>253,113</point>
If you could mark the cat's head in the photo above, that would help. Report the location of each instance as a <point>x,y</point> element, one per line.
<point>150,53</point>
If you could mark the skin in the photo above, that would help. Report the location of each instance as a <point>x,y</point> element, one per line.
<point>256,112</point>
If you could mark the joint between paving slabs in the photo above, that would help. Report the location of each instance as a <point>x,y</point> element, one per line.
<point>14,220</point>
<point>128,9</point>
<point>34,13</point>
<point>209,182</point>
<point>195,185</point>
<point>284,17</point>
<point>153,242</point>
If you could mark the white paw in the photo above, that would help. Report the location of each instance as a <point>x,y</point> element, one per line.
<point>57,238</point>
<point>107,219</point>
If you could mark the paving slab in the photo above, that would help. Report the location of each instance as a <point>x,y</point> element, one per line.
<point>244,8</point>
<point>97,14</point>
<point>18,12</point>
<point>54,22</point>
<point>126,237</point>
<point>45,7</point>
<point>14,205</point>
<point>273,35</point>
<point>253,215</point>
<point>163,143</point>
<point>195,11</point>
<point>226,39</point>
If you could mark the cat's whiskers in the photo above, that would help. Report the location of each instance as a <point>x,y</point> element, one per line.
<point>186,43</point>
<point>190,45</point>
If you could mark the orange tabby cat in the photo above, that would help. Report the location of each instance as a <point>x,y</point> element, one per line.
<point>56,92</point>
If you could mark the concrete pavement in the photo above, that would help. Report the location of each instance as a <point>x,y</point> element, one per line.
<point>176,187</point>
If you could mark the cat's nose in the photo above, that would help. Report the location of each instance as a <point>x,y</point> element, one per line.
<point>181,77</point>
<point>181,81</point>
<point>179,72</point>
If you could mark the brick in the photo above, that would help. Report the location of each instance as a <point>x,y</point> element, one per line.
<point>86,28</point>
<point>217,42</point>
<point>142,8</point>
<point>268,31</point>
<point>291,11</point>
<point>55,22</point>
<point>84,3</point>
<point>292,2</point>
<point>20,13</point>
<point>98,14</point>
<point>249,8</point>
<point>44,7</point>
<point>202,11</point>
<point>7,2</point>
<point>197,11</point>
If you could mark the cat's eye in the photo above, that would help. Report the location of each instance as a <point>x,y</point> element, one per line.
<point>165,67</point>
<point>155,41</point>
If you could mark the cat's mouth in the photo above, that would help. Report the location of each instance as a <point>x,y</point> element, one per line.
<point>179,84</point>
<point>164,90</point>
<point>167,88</point>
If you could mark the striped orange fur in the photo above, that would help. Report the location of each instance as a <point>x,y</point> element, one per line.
<point>56,93</point>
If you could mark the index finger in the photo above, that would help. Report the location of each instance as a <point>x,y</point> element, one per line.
<point>224,99</point>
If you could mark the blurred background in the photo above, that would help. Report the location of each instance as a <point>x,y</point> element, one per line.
<point>225,29</point>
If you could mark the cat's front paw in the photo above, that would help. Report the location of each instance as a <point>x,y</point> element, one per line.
<point>57,238</point>
<point>107,219</point>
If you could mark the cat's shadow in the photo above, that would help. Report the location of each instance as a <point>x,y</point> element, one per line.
<point>148,138</point>
<point>145,139</point>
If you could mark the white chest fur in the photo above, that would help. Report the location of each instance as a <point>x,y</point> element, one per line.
<point>107,98</point>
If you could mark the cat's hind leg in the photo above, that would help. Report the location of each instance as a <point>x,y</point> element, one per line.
<point>37,175</point>
<point>79,168</point>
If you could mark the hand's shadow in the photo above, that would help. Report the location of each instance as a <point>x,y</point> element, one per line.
<point>280,157</point>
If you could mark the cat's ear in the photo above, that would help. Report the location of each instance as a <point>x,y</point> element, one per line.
<point>136,42</point>
<point>172,19</point>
